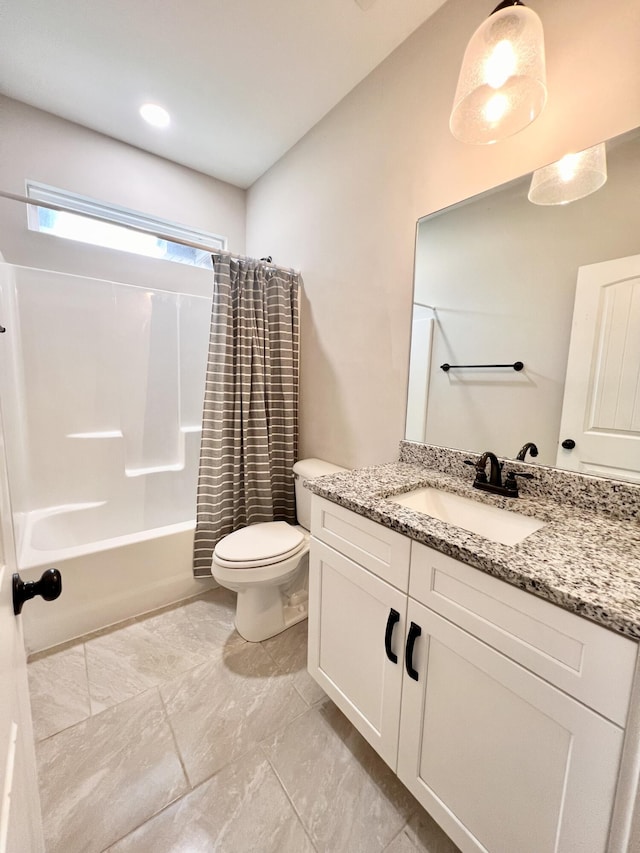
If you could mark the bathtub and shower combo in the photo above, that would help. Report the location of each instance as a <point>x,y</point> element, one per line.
<point>101,389</point>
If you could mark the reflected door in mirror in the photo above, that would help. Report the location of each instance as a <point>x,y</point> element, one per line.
<point>601,409</point>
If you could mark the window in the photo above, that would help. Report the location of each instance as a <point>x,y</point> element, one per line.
<point>116,232</point>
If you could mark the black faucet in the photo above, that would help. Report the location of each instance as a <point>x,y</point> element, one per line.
<point>495,472</point>
<point>531,447</point>
<point>494,484</point>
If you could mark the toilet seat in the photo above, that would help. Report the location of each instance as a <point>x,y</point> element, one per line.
<point>259,545</point>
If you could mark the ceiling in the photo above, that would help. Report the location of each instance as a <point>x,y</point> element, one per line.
<point>243,80</point>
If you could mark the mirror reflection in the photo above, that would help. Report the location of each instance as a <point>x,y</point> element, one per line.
<point>499,280</point>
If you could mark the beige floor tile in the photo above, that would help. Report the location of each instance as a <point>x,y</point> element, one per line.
<point>401,844</point>
<point>105,776</point>
<point>202,627</point>
<point>222,709</point>
<point>346,796</point>
<point>130,660</point>
<point>243,809</point>
<point>426,835</point>
<point>289,652</point>
<point>59,691</point>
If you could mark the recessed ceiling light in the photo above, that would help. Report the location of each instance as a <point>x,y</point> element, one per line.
<point>155,115</point>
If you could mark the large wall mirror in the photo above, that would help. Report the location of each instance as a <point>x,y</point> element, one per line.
<point>499,280</point>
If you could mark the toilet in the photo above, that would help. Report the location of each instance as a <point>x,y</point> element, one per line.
<point>268,564</point>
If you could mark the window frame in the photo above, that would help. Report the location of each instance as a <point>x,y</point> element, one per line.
<point>114,214</point>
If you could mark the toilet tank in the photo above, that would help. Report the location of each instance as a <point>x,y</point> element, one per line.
<point>303,470</point>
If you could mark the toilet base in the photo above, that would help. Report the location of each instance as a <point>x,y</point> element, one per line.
<point>261,612</point>
<point>271,598</point>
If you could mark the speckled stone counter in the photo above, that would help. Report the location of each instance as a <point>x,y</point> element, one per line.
<point>583,560</point>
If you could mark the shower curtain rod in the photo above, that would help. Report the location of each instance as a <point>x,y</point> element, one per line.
<point>234,256</point>
<point>158,234</point>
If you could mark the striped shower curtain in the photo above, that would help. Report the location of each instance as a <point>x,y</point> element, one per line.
<point>250,416</point>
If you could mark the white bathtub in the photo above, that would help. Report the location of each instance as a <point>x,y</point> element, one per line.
<point>106,578</point>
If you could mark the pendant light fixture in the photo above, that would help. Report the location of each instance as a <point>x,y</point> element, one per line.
<point>502,85</point>
<point>574,176</point>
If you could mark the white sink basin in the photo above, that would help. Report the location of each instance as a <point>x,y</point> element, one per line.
<point>498,525</point>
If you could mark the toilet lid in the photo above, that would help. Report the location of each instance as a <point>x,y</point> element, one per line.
<point>266,543</point>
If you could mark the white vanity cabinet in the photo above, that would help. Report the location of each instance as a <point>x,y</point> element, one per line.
<point>510,727</point>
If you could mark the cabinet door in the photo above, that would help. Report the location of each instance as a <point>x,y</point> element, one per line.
<point>351,612</point>
<point>501,759</point>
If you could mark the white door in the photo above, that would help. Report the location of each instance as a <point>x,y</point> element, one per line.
<point>601,407</point>
<point>501,759</point>
<point>356,629</point>
<point>20,822</point>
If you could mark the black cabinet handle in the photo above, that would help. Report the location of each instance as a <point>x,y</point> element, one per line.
<point>49,587</point>
<point>392,621</point>
<point>568,444</point>
<point>414,633</point>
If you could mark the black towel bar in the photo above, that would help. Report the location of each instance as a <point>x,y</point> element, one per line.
<point>517,365</point>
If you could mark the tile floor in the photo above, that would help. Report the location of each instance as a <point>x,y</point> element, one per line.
<point>171,734</point>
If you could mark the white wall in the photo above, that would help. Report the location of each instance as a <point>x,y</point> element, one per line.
<point>343,203</point>
<point>41,147</point>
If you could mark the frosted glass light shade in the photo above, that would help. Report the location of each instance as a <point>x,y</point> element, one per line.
<point>574,176</point>
<point>502,85</point>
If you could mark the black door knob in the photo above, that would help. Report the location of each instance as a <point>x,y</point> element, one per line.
<point>568,444</point>
<point>49,587</point>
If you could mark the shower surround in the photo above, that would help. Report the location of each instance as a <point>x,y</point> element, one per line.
<point>102,389</point>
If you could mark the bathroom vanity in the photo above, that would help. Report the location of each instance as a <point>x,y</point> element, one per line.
<point>510,716</point>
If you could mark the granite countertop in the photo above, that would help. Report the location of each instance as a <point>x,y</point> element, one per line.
<point>583,561</point>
